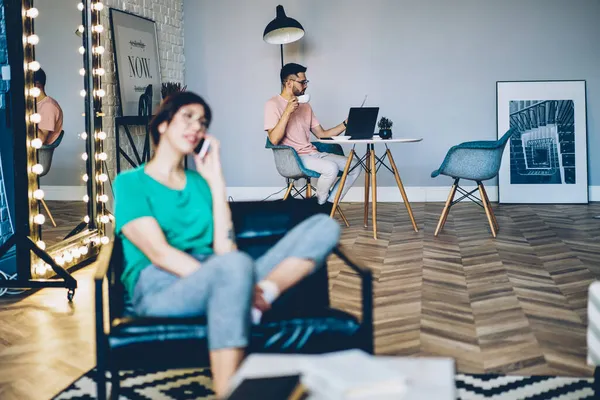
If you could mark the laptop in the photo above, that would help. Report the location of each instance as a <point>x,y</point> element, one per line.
<point>361,122</point>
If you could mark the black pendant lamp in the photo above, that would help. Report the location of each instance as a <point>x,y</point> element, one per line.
<point>282,30</point>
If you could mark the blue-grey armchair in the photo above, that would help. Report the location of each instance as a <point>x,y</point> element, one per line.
<point>290,166</point>
<point>477,161</point>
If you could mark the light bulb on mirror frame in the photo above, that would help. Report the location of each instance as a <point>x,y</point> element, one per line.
<point>98,6</point>
<point>39,219</point>
<point>32,12</point>
<point>35,92</point>
<point>82,93</point>
<point>35,118</point>
<point>82,72</point>
<point>83,250</point>
<point>86,219</point>
<point>34,66</point>
<point>37,143</point>
<point>33,39</point>
<point>38,194</point>
<point>105,240</point>
<point>82,50</point>
<point>37,169</point>
<point>41,244</point>
<point>85,177</point>
<point>101,135</point>
<point>86,199</point>
<point>83,135</point>
<point>80,6</point>
<point>84,156</point>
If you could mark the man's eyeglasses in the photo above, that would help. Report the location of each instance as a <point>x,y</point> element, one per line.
<point>304,82</point>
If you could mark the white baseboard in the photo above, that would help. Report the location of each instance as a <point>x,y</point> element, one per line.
<point>355,194</point>
<point>384,193</point>
<point>64,193</point>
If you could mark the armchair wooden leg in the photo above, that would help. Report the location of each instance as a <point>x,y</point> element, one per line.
<point>339,210</point>
<point>487,200</point>
<point>446,210</point>
<point>342,183</point>
<point>48,212</point>
<point>308,189</point>
<point>288,191</point>
<point>367,182</point>
<point>488,210</point>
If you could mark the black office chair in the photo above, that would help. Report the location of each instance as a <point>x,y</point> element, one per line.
<point>300,321</point>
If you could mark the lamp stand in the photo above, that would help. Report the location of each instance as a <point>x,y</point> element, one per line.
<point>281,47</point>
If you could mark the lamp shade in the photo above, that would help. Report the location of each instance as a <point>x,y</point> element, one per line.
<point>283,29</point>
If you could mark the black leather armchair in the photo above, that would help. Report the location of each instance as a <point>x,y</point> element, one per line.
<point>300,321</point>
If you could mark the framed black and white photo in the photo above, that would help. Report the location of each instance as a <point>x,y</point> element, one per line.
<point>545,161</point>
<point>135,47</point>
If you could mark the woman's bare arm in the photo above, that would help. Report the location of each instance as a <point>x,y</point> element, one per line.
<point>146,235</point>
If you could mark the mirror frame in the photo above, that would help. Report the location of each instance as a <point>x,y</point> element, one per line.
<point>85,244</point>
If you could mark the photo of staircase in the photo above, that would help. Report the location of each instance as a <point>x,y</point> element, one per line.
<point>543,151</point>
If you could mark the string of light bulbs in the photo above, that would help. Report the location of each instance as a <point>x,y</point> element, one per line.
<point>30,40</point>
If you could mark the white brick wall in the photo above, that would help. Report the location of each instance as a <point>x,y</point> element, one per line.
<point>168,16</point>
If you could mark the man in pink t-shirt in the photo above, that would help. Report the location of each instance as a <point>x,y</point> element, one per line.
<point>51,124</point>
<point>290,123</point>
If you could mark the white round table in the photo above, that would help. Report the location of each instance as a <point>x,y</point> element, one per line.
<point>370,163</point>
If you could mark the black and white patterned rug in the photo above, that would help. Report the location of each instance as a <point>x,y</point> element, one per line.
<point>187,384</point>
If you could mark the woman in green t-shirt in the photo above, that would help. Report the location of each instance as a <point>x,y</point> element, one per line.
<point>180,255</point>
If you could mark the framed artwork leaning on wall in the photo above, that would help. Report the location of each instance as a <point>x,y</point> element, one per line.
<point>546,160</point>
<point>137,64</point>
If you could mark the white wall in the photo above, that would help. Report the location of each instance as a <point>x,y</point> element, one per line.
<point>59,57</point>
<point>430,65</point>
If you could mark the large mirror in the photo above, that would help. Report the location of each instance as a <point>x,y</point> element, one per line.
<point>67,196</point>
<point>62,109</point>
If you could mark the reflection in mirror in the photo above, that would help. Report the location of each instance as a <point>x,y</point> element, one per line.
<point>62,126</point>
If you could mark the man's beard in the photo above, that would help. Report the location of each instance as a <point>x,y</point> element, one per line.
<point>298,92</point>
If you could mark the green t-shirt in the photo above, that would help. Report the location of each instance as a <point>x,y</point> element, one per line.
<point>185,216</point>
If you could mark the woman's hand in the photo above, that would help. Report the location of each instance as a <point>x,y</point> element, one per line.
<point>210,166</point>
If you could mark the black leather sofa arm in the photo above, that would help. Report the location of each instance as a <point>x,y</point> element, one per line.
<point>366,277</point>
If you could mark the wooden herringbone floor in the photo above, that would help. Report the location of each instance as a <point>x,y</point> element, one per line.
<point>515,304</point>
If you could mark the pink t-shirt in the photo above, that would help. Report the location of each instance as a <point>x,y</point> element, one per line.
<point>52,118</point>
<point>297,131</point>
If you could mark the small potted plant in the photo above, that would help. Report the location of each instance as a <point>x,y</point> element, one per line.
<point>385,128</point>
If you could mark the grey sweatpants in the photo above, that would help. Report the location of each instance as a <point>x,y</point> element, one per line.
<point>328,165</point>
<point>222,288</point>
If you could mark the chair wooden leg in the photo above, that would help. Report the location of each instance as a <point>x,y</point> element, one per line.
<point>288,191</point>
<point>48,212</point>
<point>339,210</point>
<point>342,183</point>
<point>487,208</point>
<point>367,182</point>
<point>446,210</point>
<point>402,191</point>
<point>487,200</point>
<point>308,189</point>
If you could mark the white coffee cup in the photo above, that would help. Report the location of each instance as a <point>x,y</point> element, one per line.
<point>305,98</point>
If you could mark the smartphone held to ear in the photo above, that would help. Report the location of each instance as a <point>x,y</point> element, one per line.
<point>202,147</point>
